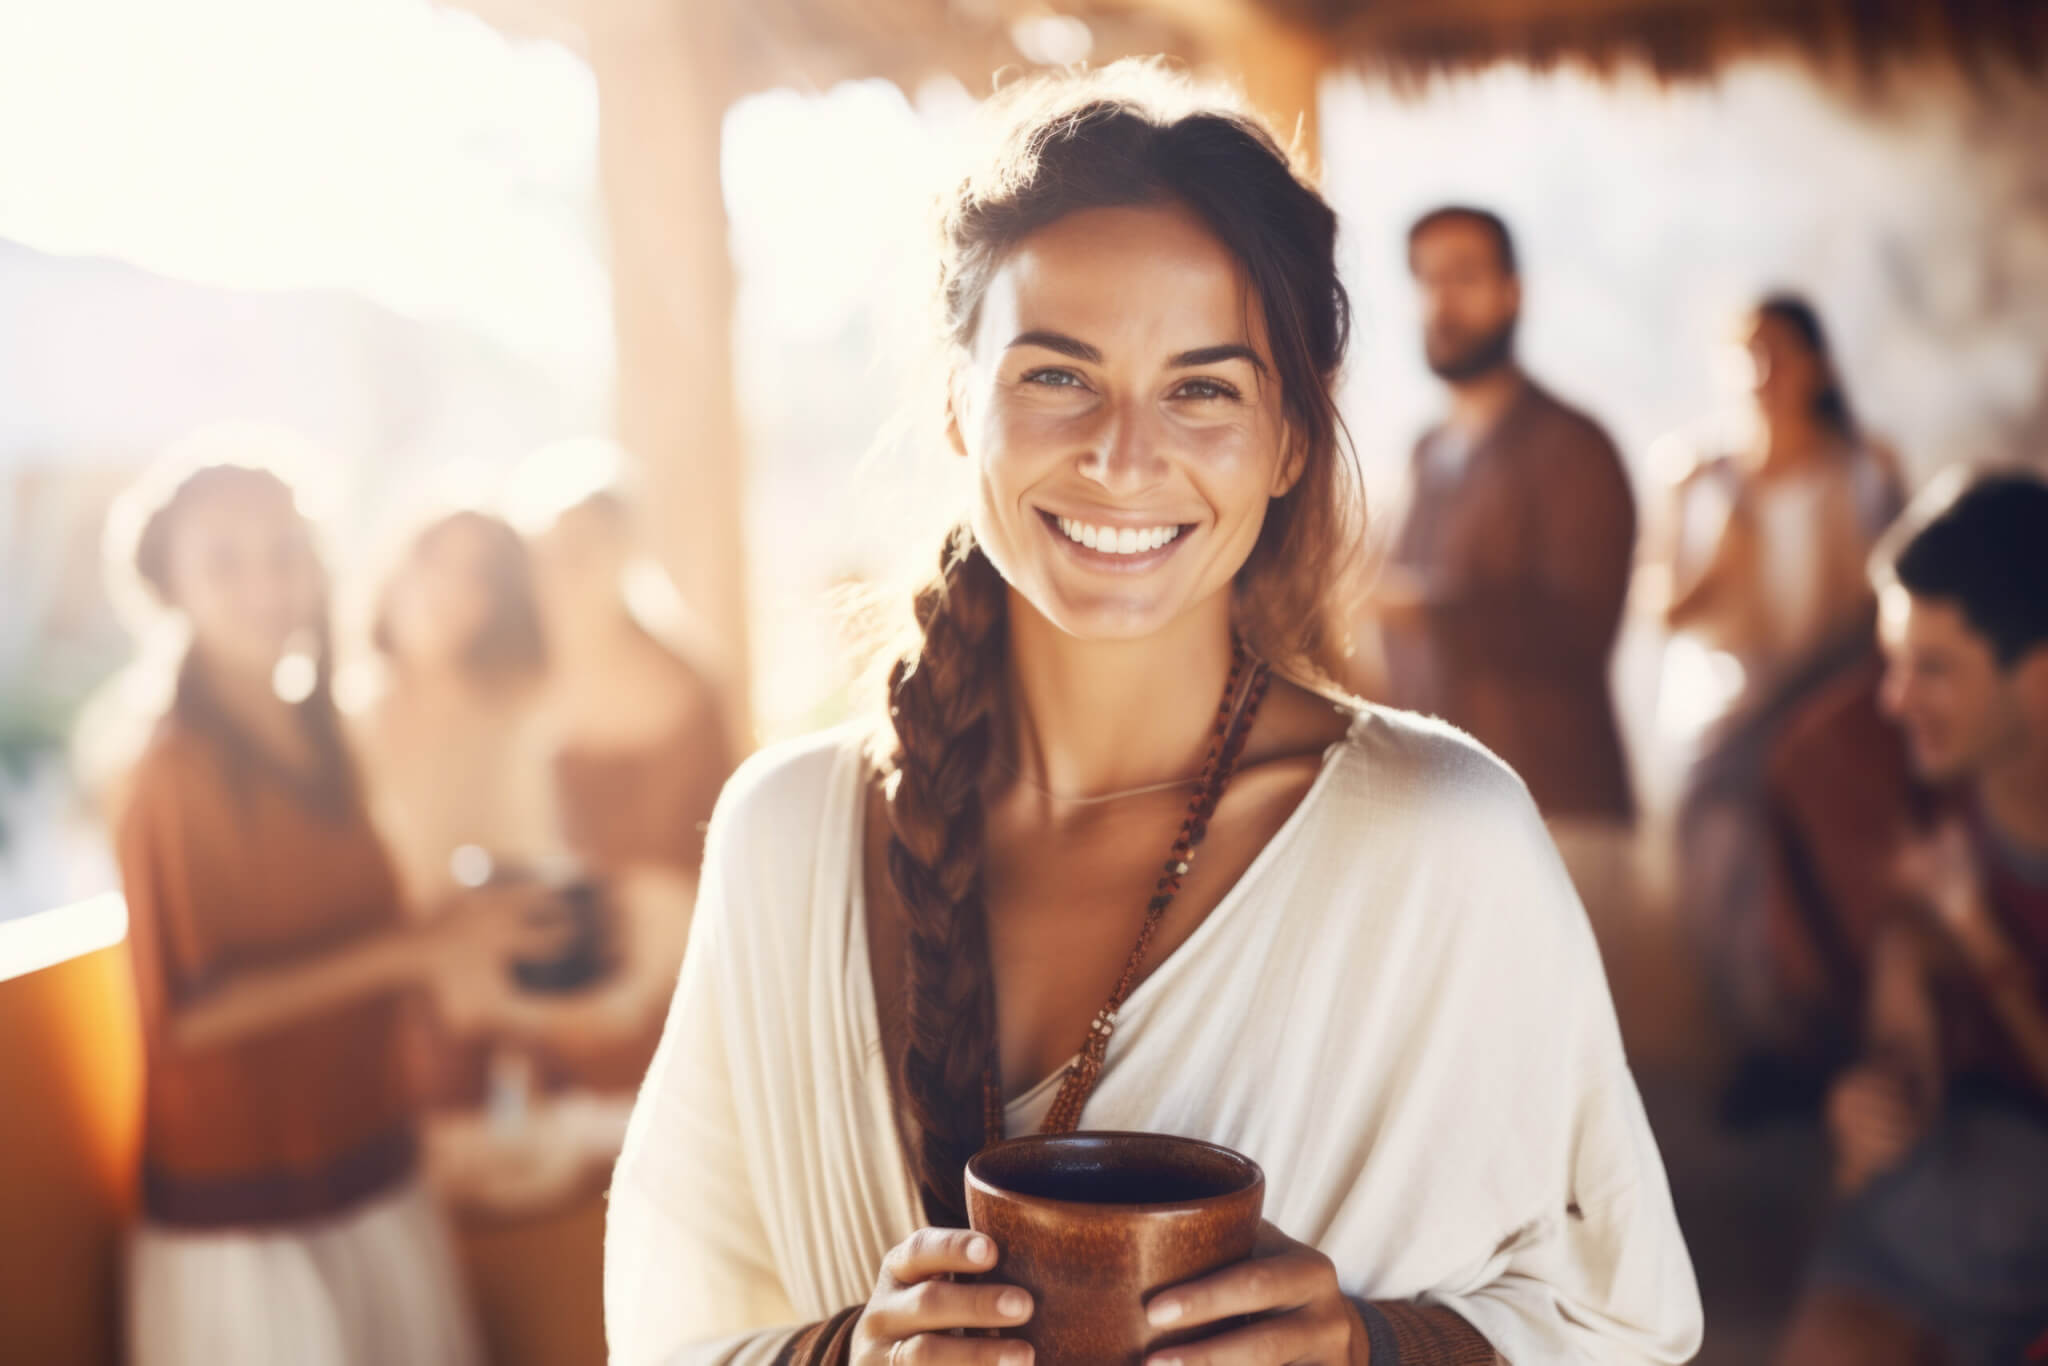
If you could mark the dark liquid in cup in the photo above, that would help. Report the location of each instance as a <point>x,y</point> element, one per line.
<point>1114,1186</point>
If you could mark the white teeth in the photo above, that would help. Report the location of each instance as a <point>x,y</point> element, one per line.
<point>1117,540</point>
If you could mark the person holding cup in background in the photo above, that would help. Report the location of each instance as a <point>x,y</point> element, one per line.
<point>464,748</point>
<point>282,1213</point>
<point>1124,859</point>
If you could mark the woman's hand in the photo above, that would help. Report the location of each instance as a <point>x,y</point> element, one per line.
<point>915,1304</point>
<point>473,943</point>
<point>1941,869</point>
<point>1874,1119</point>
<point>538,1169</point>
<point>1302,1316</point>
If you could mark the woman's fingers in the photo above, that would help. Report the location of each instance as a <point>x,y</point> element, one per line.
<point>915,1310</point>
<point>1287,1288</point>
<point>937,1349</point>
<point>933,1252</point>
<point>1281,1274</point>
<point>936,1306</point>
<point>1279,1341</point>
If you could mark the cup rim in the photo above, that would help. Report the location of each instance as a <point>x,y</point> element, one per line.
<point>1255,1175</point>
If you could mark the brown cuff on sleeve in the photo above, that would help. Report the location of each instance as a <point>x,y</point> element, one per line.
<point>1405,1334</point>
<point>827,1343</point>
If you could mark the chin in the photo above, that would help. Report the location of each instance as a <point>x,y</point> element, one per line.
<point>1102,616</point>
<point>1938,767</point>
<point>1105,622</point>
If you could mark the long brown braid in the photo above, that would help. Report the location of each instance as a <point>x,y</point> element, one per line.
<point>1128,134</point>
<point>943,703</point>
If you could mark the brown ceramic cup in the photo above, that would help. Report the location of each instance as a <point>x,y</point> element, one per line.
<point>1095,1224</point>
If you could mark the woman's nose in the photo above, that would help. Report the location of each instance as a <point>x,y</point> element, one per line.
<point>1125,456</point>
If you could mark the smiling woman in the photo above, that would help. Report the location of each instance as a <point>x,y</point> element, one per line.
<point>1125,856</point>
<point>1184,444</point>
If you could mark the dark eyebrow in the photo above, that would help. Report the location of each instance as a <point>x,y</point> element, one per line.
<point>1209,355</point>
<point>1060,342</point>
<point>1080,350</point>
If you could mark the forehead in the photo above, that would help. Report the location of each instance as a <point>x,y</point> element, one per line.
<point>457,537</point>
<point>242,511</point>
<point>1767,329</point>
<point>1136,278</point>
<point>1921,623</point>
<point>1455,242</point>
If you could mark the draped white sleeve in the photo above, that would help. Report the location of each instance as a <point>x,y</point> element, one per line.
<point>688,1273</point>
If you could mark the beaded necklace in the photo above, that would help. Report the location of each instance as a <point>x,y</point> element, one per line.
<point>1242,693</point>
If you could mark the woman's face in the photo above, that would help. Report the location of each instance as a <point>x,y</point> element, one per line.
<point>1121,407</point>
<point>240,565</point>
<point>1787,373</point>
<point>441,599</point>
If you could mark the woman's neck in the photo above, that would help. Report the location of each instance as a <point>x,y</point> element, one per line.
<point>444,689</point>
<point>1099,716</point>
<point>249,702</point>
<point>1789,442</point>
<point>585,634</point>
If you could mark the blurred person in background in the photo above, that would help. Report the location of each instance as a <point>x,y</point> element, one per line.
<point>282,1214</point>
<point>1838,789</point>
<point>459,749</point>
<point>453,738</point>
<point>641,742</point>
<point>1939,1252</point>
<point>1502,597</point>
<point>1377,980</point>
<point>1762,559</point>
<point>610,748</point>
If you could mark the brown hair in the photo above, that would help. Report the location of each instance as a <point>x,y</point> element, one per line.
<point>333,788</point>
<point>509,647</point>
<point>1830,400</point>
<point>1130,134</point>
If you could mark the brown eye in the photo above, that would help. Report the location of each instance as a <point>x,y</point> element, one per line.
<point>1205,388</point>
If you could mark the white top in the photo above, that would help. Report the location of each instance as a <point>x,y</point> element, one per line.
<point>1398,1011</point>
<point>1792,557</point>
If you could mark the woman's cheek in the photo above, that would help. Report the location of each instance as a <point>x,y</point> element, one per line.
<point>1020,444</point>
<point>1233,458</point>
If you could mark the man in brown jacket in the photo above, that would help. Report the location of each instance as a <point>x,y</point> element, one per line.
<point>1499,607</point>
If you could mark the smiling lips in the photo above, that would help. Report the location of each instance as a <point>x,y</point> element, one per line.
<point>1110,540</point>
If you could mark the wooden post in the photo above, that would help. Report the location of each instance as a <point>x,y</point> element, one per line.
<point>664,75</point>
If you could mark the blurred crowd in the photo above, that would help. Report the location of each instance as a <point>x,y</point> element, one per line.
<point>1861,843</point>
<point>404,957</point>
<point>408,959</point>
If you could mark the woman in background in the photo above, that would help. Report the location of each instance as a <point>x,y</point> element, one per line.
<point>1763,560</point>
<point>455,739</point>
<point>1767,545</point>
<point>463,748</point>
<point>457,751</point>
<point>283,1218</point>
<point>642,749</point>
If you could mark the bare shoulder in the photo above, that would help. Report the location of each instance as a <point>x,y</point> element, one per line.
<point>1297,725</point>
